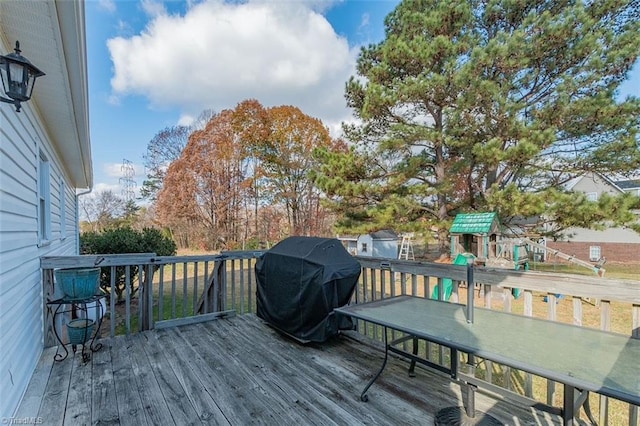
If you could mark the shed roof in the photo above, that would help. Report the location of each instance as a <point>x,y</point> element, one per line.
<point>474,223</point>
<point>385,234</point>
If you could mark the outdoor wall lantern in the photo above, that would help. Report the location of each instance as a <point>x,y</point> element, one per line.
<point>18,77</point>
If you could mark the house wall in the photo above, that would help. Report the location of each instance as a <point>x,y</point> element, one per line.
<point>628,253</point>
<point>23,137</point>
<point>616,244</point>
<point>594,183</point>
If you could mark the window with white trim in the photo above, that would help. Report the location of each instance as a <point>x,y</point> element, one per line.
<point>595,253</point>
<point>63,211</point>
<point>44,200</point>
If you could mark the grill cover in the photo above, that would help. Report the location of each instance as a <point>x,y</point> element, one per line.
<point>300,281</point>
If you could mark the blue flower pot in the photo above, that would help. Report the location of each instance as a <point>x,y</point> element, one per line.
<point>79,331</point>
<point>78,283</point>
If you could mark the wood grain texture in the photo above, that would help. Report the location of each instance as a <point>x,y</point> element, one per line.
<point>239,371</point>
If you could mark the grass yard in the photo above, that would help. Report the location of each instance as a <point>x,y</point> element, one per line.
<point>182,285</point>
<point>613,270</point>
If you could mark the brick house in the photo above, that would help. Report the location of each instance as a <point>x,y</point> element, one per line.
<point>617,245</point>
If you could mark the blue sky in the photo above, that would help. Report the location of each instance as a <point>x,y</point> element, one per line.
<point>319,40</point>
<point>279,52</point>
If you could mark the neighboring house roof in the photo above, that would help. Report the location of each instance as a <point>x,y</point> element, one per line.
<point>570,185</point>
<point>628,184</point>
<point>474,223</point>
<point>573,182</point>
<point>52,37</point>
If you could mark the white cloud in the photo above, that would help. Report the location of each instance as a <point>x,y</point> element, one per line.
<point>186,120</point>
<point>117,189</point>
<point>153,8</point>
<point>124,28</point>
<point>112,169</point>
<point>117,170</point>
<point>113,100</point>
<point>107,5</point>
<point>102,187</point>
<point>320,6</point>
<point>218,54</point>
<point>365,21</point>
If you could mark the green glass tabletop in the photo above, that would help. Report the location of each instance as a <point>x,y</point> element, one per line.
<point>586,358</point>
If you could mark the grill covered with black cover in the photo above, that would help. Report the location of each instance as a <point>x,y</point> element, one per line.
<point>300,281</point>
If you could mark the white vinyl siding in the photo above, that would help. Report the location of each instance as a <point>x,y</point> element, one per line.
<point>23,146</point>
<point>44,200</point>
<point>63,210</point>
<point>53,125</point>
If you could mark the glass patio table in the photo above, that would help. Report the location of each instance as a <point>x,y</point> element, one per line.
<point>580,358</point>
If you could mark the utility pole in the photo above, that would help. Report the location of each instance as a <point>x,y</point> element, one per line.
<point>126,181</point>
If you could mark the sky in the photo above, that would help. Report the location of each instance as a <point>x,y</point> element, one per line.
<point>154,65</point>
<point>146,61</point>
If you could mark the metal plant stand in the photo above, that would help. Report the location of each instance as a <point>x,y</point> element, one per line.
<point>62,306</point>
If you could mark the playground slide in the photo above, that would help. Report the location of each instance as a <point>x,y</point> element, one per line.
<point>597,269</point>
<point>447,283</point>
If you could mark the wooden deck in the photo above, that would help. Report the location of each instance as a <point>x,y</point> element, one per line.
<point>239,371</point>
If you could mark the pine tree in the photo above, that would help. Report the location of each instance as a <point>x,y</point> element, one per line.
<point>489,106</point>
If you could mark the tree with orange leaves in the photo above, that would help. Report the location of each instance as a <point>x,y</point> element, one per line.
<point>286,158</point>
<point>246,164</point>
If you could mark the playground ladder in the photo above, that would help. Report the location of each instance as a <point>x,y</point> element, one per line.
<point>406,248</point>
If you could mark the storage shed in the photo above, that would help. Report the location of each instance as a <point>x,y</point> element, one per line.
<point>378,244</point>
<point>350,242</point>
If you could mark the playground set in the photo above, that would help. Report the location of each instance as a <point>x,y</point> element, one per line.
<point>478,238</point>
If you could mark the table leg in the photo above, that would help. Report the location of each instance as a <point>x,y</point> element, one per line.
<point>412,367</point>
<point>363,396</point>
<point>470,401</point>
<point>466,415</point>
<point>567,409</point>
<point>587,408</point>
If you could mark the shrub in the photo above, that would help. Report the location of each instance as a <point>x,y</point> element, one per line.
<point>125,240</point>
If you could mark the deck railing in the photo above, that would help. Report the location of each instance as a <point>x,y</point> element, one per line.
<point>608,304</point>
<point>185,289</point>
<point>159,291</point>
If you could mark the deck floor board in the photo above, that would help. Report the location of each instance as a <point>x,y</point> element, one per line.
<point>239,371</point>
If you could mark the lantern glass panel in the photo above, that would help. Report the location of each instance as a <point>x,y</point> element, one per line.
<point>19,77</point>
<point>5,75</point>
